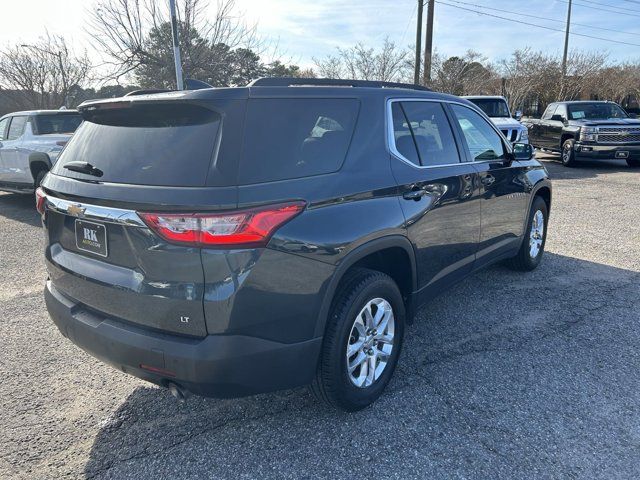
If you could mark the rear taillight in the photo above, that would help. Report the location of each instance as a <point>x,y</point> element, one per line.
<point>241,228</point>
<point>41,198</point>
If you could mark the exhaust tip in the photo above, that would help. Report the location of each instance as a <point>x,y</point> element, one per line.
<point>177,391</point>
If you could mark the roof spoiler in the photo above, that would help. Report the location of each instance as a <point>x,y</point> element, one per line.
<point>330,82</point>
<point>189,84</point>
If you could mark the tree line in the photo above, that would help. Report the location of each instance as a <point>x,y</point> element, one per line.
<point>133,41</point>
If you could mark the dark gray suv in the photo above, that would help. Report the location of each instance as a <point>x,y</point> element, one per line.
<point>232,241</point>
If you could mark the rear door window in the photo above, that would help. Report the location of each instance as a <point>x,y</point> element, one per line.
<point>56,124</point>
<point>154,144</point>
<point>16,128</point>
<point>295,137</point>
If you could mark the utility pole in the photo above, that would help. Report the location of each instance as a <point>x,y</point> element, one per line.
<point>416,76</point>
<point>428,47</point>
<point>176,46</point>
<point>566,50</point>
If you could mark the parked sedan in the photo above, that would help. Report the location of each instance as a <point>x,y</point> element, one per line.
<point>30,143</point>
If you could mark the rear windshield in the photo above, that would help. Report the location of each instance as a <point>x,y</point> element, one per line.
<point>161,144</point>
<point>296,137</point>
<point>54,124</point>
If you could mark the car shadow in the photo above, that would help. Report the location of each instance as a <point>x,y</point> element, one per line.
<point>19,207</point>
<point>507,375</point>
<point>583,169</point>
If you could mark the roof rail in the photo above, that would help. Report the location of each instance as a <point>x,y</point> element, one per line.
<point>329,82</point>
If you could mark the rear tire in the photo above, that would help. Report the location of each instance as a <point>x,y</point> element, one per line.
<point>360,350</point>
<point>568,153</point>
<point>633,163</point>
<point>530,254</point>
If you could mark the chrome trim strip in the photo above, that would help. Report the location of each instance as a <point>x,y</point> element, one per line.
<point>391,142</point>
<point>98,213</point>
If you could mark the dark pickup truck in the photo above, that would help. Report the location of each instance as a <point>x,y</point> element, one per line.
<point>584,130</point>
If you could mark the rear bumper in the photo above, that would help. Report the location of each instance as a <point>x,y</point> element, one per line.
<point>216,365</point>
<point>607,152</point>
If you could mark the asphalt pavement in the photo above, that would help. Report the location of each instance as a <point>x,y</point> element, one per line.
<point>507,375</point>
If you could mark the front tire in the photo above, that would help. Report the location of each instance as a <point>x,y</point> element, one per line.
<point>633,163</point>
<point>568,153</point>
<point>362,341</point>
<point>530,254</point>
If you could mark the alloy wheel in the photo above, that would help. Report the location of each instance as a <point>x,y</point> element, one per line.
<point>370,343</point>
<point>536,235</point>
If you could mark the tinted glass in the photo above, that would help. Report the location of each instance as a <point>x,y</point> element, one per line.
<point>293,138</point>
<point>402,135</point>
<point>596,111</point>
<point>16,128</point>
<point>48,124</point>
<point>148,145</point>
<point>483,141</point>
<point>493,107</point>
<point>3,127</point>
<point>548,113</point>
<point>431,133</point>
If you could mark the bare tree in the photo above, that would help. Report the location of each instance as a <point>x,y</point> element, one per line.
<point>388,64</point>
<point>43,72</point>
<point>470,74</point>
<point>123,31</point>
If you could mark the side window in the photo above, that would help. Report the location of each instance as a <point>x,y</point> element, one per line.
<point>430,131</point>
<point>3,127</point>
<point>548,113</point>
<point>16,129</point>
<point>561,110</point>
<point>483,141</point>
<point>402,135</point>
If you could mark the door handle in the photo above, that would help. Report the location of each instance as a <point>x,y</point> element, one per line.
<point>414,194</point>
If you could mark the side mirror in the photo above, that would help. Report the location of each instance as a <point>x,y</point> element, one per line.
<point>557,118</point>
<point>522,151</point>
<point>518,115</point>
<point>633,115</point>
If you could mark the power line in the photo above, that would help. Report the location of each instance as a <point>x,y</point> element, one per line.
<point>537,25</point>
<point>608,5</point>
<point>603,9</point>
<point>543,18</point>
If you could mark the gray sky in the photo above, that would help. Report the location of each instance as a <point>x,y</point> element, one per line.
<point>305,29</point>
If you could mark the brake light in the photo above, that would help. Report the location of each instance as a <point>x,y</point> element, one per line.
<point>41,197</point>
<point>242,228</point>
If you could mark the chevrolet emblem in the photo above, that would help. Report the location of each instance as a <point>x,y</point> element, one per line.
<point>76,210</point>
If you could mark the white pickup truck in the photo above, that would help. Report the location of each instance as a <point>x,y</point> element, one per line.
<point>30,143</point>
<point>497,109</point>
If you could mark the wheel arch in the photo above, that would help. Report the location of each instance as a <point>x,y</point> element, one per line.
<point>566,136</point>
<point>38,161</point>
<point>368,256</point>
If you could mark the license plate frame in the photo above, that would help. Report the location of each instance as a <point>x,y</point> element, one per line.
<point>91,237</point>
<point>624,154</point>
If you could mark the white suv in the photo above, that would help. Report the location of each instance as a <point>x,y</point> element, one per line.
<point>497,109</point>
<point>30,143</point>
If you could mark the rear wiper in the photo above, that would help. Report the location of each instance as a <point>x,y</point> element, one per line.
<point>83,167</point>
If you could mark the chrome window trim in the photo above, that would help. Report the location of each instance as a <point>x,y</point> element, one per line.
<point>98,213</point>
<point>391,140</point>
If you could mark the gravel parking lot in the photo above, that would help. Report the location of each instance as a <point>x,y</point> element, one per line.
<point>508,375</point>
